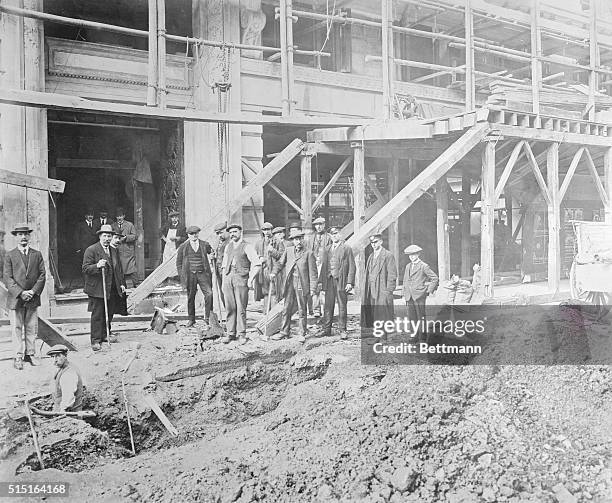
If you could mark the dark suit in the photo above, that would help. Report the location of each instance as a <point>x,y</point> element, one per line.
<point>317,244</point>
<point>98,223</point>
<point>113,274</point>
<point>334,282</point>
<point>86,235</point>
<point>378,285</point>
<point>300,281</point>
<point>191,279</point>
<point>24,273</point>
<point>419,281</point>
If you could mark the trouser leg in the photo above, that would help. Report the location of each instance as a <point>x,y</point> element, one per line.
<point>98,327</point>
<point>192,289</point>
<point>330,303</point>
<point>288,310</point>
<point>342,297</point>
<point>208,295</point>
<point>302,307</point>
<point>17,319</point>
<point>230,306</point>
<point>31,330</point>
<point>242,299</point>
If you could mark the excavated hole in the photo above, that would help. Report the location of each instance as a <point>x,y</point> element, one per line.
<point>200,407</point>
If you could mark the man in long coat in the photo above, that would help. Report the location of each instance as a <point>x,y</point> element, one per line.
<point>275,265</point>
<point>126,231</point>
<point>419,282</point>
<point>338,275</point>
<point>379,282</point>
<point>99,259</point>
<point>85,235</point>
<point>262,280</point>
<point>317,244</point>
<point>24,277</point>
<point>300,281</point>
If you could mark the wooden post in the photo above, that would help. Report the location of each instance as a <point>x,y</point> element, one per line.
<point>139,224</point>
<point>388,60</point>
<point>152,52</point>
<point>161,53</point>
<point>442,229</point>
<point>466,233</point>
<point>554,217</point>
<point>607,159</point>
<point>593,60</point>
<point>290,79</point>
<point>306,191</point>
<point>536,53</point>
<point>286,49</point>
<point>358,205</point>
<point>393,187</point>
<point>487,218</point>
<point>470,89</point>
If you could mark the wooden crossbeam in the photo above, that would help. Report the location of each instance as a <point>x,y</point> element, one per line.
<point>370,211</point>
<point>598,185</point>
<point>390,130</point>
<point>248,191</point>
<point>332,181</point>
<point>274,187</point>
<point>537,173</point>
<point>31,181</point>
<point>570,173</point>
<point>548,135</point>
<point>420,184</point>
<point>503,179</point>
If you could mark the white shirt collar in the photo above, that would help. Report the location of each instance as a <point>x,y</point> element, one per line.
<point>195,244</point>
<point>25,250</point>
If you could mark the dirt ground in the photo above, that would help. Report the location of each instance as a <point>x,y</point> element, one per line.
<point>281,421</point>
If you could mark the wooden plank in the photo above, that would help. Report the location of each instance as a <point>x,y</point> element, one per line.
<point>306,191</point>
<point>442,229</point>
<point>440,128</point>
<point>570,173</point>
<point>487,210</point>
<point>466,238</point>
<point>274,187</point>
<point>393,178</point>
<point>152,55</point>
<point>332,181</point>
<point>593,59</point>
<point>549,135</point>
<point>508,169</point>
<point>160,414</point>
<point>358,207</point>
<point>388,64</point>
<point>536,172</point>
<point>536,53</point>
<point>252,187</point>
<point>391,130</point>
<point>420,184</point>
<point>67,102</point>
<point>31,181</point>
<point>554,217</point>
<point>607,162</point>
<point>470,89</point>
<point>162,92</point>
<point>598,185</point>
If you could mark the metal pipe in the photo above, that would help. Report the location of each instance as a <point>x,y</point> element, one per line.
<point>461,45</point>
<point>290,79</point>
<point>417,64</point>
<point>386,59</point>
<point>162,92</point>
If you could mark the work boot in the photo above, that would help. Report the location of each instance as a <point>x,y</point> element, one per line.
<point>226,339</point>
<point>279,336</point>
<point>190,323</point>
<point>32,360</point>
<point>18,363</point>
<point>242,340</point>
<point>112,338</point>
<point>95,346</point>
<point>343,335</point>
<point>300,337</point>
<point>323,333</point>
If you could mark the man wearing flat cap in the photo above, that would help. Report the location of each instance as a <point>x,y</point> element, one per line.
<point>338,274</point>
<point>67,385</point>
<point>101,258</point>
<point>419,282</point>
<point>277,271</point>
<point>193,265</point>
<point>241,264</point>
<point>318,243</point>
<point>24,277</point>
<point>223,237</point>
<point>300,281</point>
<point>262,280</point>
<point>379,283</point>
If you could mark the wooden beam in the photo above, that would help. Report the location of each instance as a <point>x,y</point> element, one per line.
<point>306,191</point>
<point>358,207</point>
<point>31,181</point>
<point>570,173</point>
<point>274,187</point>
<point>598,185</point>
<point>374,189</point>
<point>453,197</point>
<point>442,229</point>
<point>554,217</point>
<point>139,224</point>
<point>466,232</point>
<point>152,55</point>
<point>332,181</point>
<point>393,175</point>
<point>162,92</point>
<point>593,59</point>
<point>248,191</point>
<point>349,229</point>
<point>487,220</point>
<point>536,53</point>
<point>420,184</point>
<point>607,161</point>
<point>508,169</point>
<point>67,102</point>
<point>470,89</point>
<point>525,133</point>
<point>537,173</point>
<point>392,130</point>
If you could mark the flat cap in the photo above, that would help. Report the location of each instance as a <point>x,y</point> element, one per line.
<point>57,348</point>
<point>234,226</point>
<point>413,249</point>
<point>267,226</point>
<point>276,230</point>
<point>334,230</point>
<point>220,227</point>
<point>295,225</point>
<point>318,220</point>
<point>193,229</point>
<point>375,237</point>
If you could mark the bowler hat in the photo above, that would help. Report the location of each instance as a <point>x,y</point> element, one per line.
<point>193,229</point>
<point>57,348</point>
<point>106,228</point>
<point>234,226</point>
<point>21,228</point>
<point>318,220</point>
<point>267,226</point>
<point>296,233</point>
<point>413,249</point>
<point>221,227</point>
<point>277,230</point>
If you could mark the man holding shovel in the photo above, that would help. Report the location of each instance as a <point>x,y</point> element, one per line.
<point>104,284</point>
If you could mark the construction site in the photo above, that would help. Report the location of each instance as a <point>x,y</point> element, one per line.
<point>479,130</point>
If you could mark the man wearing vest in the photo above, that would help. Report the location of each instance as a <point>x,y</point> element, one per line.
<point>262,280</point>
<point>300,281</point>
<point>319,242</point>
<point>101,258</point>
<point>24,277</point>
<point>240,266</point>
<point>194,269</point>
<point>67,386</point>
<point>338,272</point>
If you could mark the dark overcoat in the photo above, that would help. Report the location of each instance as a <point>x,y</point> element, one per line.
<point>19,277</point>
<point>182,261</point>
<point>93,275</point>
